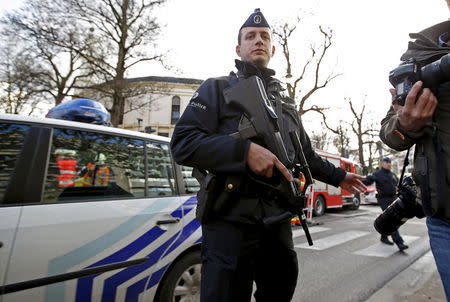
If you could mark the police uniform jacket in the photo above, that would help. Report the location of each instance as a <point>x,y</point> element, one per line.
<point>202,139</point>
<point>385,181</point>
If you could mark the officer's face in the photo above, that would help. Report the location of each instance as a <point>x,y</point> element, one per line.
<point>386,165</point>
<point>256,45</point>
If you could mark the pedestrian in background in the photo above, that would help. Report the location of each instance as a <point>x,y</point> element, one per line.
<point>386,182</point>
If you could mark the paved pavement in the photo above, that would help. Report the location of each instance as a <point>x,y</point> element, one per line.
<point>419,282</point>
<point>347,262</point>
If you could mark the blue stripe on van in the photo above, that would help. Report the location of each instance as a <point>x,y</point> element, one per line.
<point>112,283</point>
<point>187,232</point>
<point>55,292</point>
<point>85,285</point>
<point>135,289</point>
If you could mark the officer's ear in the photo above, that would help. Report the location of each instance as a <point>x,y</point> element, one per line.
<point>238,50</point>
<point>273,50</point>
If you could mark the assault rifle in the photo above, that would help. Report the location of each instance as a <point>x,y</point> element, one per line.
<point>249,95</point>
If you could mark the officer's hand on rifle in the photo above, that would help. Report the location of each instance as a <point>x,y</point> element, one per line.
<point>261,161</point>
<point>415,114</point>
<point>353,184</point>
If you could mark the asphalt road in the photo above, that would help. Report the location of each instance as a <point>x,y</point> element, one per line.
<point>348,262</point>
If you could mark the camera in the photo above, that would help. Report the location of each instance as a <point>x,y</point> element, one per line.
<point>433,74</point>
<point>402,209</point>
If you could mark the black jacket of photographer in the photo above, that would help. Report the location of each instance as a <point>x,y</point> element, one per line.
<point>201,139</point>
<point>432,144</point>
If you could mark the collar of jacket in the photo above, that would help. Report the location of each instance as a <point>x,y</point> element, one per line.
<point>426,48</point>
<point>247,69</point>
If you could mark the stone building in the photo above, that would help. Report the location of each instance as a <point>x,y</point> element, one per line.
<point>157,102</point>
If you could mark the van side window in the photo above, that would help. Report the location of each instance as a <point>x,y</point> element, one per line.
<point>12,137</point>
<point>161,177</point>
<point>191,184</point>
<point>87,165</point>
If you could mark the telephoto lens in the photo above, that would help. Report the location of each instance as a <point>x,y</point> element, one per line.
<point>402,209</point>
<point>392,218</point>
<point>436,73</point>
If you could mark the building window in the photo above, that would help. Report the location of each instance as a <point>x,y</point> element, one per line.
<point>175,109</point>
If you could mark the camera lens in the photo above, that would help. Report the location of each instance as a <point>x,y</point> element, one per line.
<point>391,218</point>
<point>437,72</point>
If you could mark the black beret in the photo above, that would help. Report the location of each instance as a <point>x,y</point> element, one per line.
<point>256,20</point>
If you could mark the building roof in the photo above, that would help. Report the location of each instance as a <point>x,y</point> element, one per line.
<point>165,80</point>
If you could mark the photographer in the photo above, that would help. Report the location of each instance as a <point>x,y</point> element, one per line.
<point>424,121</point>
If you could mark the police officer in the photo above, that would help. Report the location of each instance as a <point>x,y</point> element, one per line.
<point>386,183</point>
<point>424,121</point>
<point>237,248</point>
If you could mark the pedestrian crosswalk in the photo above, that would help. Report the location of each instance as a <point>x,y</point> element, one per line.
<point>383,250</point>
<point>374,250</point>
<point>299,232</point>
<point>333,240</point>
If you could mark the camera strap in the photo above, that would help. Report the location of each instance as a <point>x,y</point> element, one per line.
<point>405,164</point>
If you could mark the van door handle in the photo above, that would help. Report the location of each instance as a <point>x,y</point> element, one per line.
<point>168,221</point>
<point>1,244</point>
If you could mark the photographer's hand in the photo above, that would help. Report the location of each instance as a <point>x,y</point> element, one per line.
<point>416,114</point>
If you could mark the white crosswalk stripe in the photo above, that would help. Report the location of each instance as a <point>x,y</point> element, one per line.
<point>383,250</point>
<point>348,215</point>
<point>334,240</point>
<point>299,232</point>
<point>373,209</point>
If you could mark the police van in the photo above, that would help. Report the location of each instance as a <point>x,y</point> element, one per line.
<point>94,213</point>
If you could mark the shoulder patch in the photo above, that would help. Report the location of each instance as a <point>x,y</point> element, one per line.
<point>194,96</point>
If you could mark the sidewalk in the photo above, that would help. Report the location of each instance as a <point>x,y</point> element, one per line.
<point>430,291</point>
<point>420,282</point>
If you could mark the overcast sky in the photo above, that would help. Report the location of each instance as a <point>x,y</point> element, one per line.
<point>369,37</point>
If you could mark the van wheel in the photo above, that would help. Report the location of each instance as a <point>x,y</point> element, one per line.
<point>356,202</point>
<point>183,281</point>
<point>319,206</point>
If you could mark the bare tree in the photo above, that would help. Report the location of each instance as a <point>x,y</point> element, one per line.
<point>311,67</point>
<point>19,88</point>
<point>55,43</point>
<point>342,139</point>
<point>125,32</point>
<point>320,140</point>
<point>364,132</point>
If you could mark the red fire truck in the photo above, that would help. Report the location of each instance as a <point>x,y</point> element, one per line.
<point>327,196</point>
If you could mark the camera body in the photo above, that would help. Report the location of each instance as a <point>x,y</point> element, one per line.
<point>404,76</point>
<point>402,209</point>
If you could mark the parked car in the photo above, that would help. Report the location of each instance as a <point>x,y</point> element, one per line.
<point>94,213</point>
<point>370,195</point>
